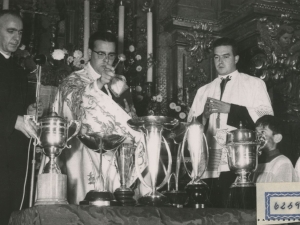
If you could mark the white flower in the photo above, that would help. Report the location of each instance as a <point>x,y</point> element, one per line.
<point>131,48</point>
<point>138,88</point>
<point>182,115</point>
<point>178,108</point>
<point>172,105</point>
<point>70,59</point>
<point>22,47</point>
<point>78,54</point>
<point>154,98</point>
<point>159,98</point>
<point>138,57</point>
<point>139,68</point>
<point>58,54</point>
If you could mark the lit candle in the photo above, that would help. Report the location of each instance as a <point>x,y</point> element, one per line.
<point>121,28</point>
<point>86,31</point>
<point>149,44</point>
<point>5,4</point>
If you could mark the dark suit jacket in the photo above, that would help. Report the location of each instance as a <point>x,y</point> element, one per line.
<point>13,143</point>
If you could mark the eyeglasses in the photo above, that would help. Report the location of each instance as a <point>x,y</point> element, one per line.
<point>103,55</point>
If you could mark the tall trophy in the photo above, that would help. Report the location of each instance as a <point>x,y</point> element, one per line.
<point>125,164</point>
<point>152,127</point>
<point>243,147</point>
<point>53,138</point>
<point>176,197</point>
<point>99,143</point>
<point>198,149</point>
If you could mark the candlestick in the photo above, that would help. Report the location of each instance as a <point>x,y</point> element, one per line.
<point>86,31</point>
<point>150,45</point>
<point>121,28</point>
<point>5,4</point>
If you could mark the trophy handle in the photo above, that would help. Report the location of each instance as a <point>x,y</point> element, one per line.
<point>261,140</point>
<point>78,126</point>
<point>169,166</point>
<point>137,168</point>
<point>182,153</point>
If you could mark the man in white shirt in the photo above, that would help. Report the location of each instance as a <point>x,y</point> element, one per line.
<point>229,99</point>
<point>272,166</point>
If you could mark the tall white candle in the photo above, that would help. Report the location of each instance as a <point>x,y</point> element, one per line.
<point>5,4</point>
<point>121,28</point>
<point>86,28</point>
<point>149,44</point>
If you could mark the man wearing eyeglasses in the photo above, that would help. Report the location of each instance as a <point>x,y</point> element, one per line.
<point>85,96</point>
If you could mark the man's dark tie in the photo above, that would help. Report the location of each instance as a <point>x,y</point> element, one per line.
<point>223,84</point>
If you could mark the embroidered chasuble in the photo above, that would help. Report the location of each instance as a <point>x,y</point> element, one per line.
<point>80,98</point>
<point>242,90</point>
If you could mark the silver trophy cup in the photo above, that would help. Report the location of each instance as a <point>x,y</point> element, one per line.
<point>152,127</point>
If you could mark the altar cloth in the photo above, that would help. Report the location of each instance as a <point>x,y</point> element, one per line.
<point>92,215</point>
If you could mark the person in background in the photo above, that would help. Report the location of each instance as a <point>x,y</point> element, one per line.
<point>85,96</point>
<point>230,99</point>
<point>272,165</point>
<point>15,131</point>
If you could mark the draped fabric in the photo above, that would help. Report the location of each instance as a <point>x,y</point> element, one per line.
<point>80,98</point>
<point>243,90</point>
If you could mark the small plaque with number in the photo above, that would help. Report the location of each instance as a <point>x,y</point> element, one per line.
<point>278,203</point>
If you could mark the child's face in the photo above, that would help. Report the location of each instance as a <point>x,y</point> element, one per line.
<point>268,134</point>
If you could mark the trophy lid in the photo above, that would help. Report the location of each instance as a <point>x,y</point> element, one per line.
<point>241,135</point>
<point>168,123</point>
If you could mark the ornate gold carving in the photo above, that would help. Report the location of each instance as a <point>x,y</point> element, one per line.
<point>200,39</point>
<point>278,63</point>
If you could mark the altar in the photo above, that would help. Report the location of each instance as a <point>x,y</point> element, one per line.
<point>88,215</point>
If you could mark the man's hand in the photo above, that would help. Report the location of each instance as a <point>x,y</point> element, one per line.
<point>106,76</point>
<point>130,110</point>
<point>31,110</point>
<point>216,106</point>
<point>28,127</point>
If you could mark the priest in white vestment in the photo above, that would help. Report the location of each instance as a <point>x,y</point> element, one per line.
<point>85,96</point>
<point>243,99</point>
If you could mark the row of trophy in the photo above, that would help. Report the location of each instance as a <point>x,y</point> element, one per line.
<point>242,147</point>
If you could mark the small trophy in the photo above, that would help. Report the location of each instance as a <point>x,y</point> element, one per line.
<point>125,162</point>
<point>197,146</point>
<point>97,142</point>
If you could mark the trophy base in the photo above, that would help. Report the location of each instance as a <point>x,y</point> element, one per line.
<point>51,189</point>
<point>176,198</point>
<point>153,199</point>
<point>242,197</point>
<point>125,198</point>
<point>244,184</point>
<point>98,198</point>
<point>197,195</point>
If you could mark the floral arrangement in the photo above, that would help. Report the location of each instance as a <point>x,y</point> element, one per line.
<point>60,65</point>
<point>76,60</point>
<point>179,110</point>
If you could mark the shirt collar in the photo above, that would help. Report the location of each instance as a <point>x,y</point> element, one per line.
<point>268,156</point>
<point>231,75</point>
<point>92,72</point>
<point>5,55</point>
